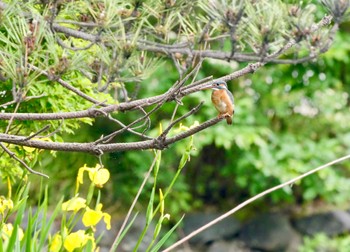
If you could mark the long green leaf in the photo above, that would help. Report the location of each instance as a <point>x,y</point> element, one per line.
<point>126,229</point>
<point>44,234</point>
<point>27,240</point>
<point>14,239</point>
<point>166,237</point>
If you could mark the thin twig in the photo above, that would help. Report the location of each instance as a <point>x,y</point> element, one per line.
<point>174,112</point>
<point>252,199</point>
<point>36,133</point>
<point>12,155</point>
<point>128,129</point>
<point>67,86</point>
<point>173,123</point>
<point>112,135</point>
<point>198,82</point>
<point>63,45</point>
<point>147,121</point>
<point>12,117</point>
<point>53,132</point>
<point>177,65</point>
<point>27,98</point>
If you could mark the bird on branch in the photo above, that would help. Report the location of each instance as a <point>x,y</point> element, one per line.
<point>223,100</point>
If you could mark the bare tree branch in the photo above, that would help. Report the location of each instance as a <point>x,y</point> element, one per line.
<point>109,137</point>
<point>111,147</point>
<point>75,33</point>
<point>27,98</point>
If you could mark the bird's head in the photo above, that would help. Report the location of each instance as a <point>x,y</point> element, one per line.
<point>216,85</point>
<point>220,84</point>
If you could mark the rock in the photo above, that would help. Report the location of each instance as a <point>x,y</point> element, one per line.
<point>331,223</point>
<point>224,229</point>
<point>193,248</point>
<point>228,246</point>
<point>270,232</point>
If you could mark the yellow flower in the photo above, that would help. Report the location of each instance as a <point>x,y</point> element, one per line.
<point>78,240</point>
<point>28,149</point>
<point>74,204</point>
<point>55,243</point>
<point>92,217</point>
<point>185,128</point>
<point>5,204</point>
<point>98,175</point>
<point>7,230</point>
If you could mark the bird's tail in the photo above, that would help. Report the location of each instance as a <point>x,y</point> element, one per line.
<point>229,120</point>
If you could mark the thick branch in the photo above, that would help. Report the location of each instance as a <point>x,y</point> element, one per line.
<point>103,148</point>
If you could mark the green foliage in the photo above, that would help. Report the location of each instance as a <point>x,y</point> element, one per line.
<point>321,242</point>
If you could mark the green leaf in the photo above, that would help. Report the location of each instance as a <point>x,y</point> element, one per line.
<point>115,246</point>
<point>149,212</point>
<point>166,237</point>
<point>44,232</point>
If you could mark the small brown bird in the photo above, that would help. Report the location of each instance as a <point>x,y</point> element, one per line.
<point>223,100</point>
